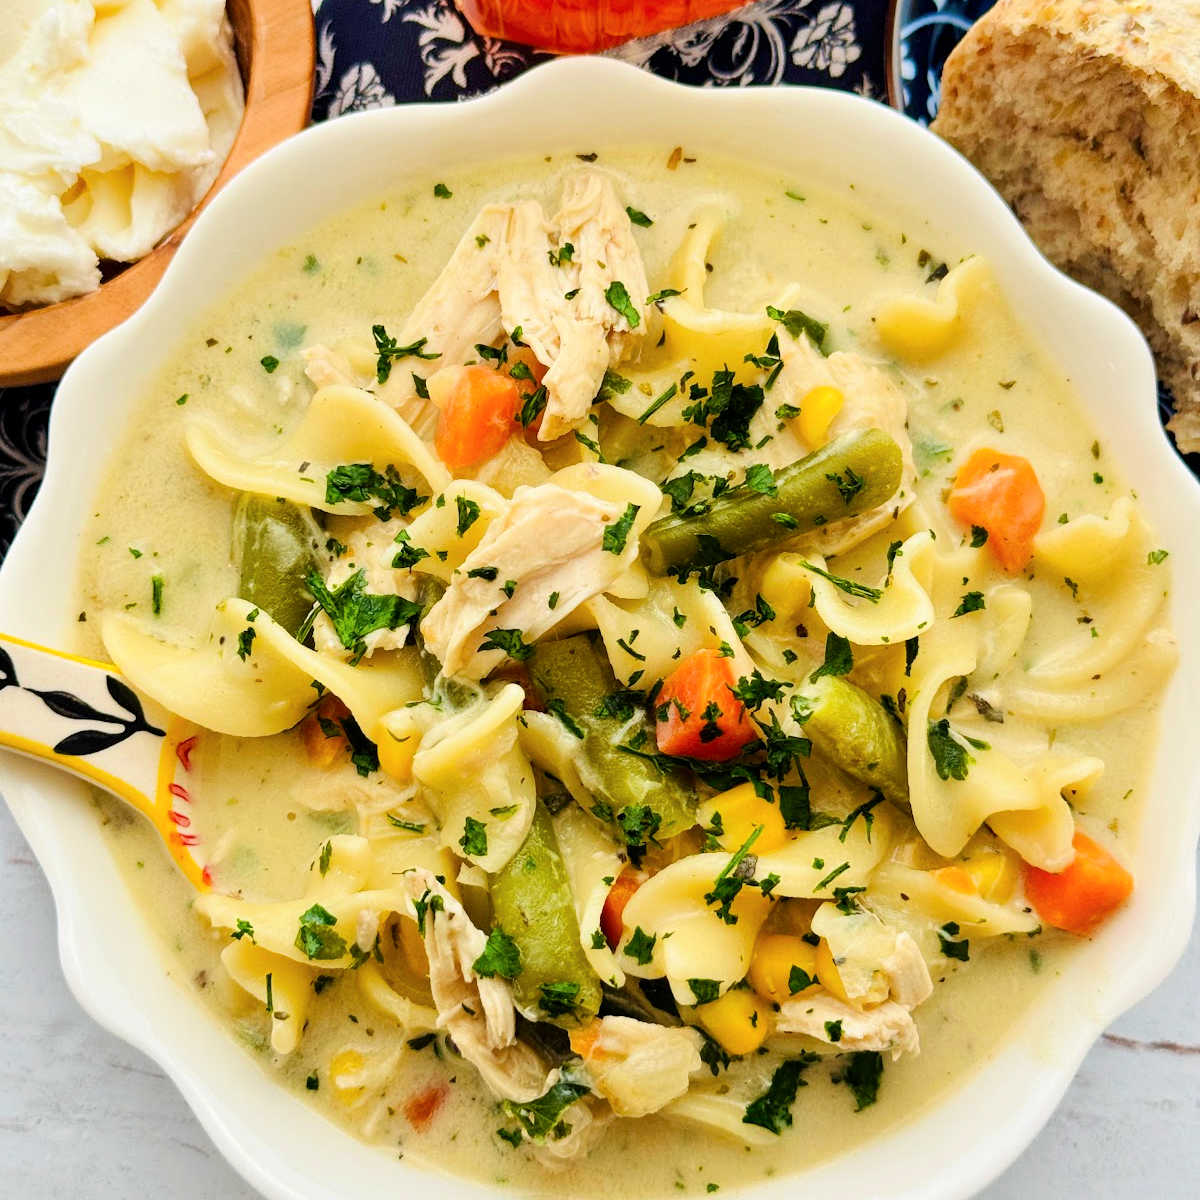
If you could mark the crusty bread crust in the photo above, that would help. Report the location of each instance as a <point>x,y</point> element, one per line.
<point>1085,114</point>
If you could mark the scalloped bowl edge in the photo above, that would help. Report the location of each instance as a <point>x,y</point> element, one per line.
<point>113,961</point>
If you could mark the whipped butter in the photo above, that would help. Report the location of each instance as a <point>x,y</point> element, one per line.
<point>115,117</point>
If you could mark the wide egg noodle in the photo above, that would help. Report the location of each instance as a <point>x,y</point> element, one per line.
<point>266,692</point>
<point>806,861</point>
<point>917,328</point>
<point>903,610</point>
<point>341,425</point>
<point>436,528</point>
<point>593,864</point>
<point>700,944</point>
<point>1106,558</point>
<point>471,767</point>
<point>250,966</point>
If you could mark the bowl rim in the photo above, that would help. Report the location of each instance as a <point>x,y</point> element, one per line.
<point>1146,962</point>
<point>277,47</point>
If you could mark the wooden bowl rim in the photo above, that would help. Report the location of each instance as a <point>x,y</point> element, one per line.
<point>278,41</point>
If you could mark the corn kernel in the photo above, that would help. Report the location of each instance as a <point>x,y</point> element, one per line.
<point>741,810</point>
<point>994,874</point>
<point>738,1020</point>
<point>828,974</point>
<point>345,1063</point>
<point>817,411</point>
<point>776,955</point>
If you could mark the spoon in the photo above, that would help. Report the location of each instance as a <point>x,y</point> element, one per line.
<point>81,716</point>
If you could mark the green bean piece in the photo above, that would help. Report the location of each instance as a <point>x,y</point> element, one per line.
<point>631,794</point>
<point>850,475</point>
<point>854,732</point>
<point>532,903</point>
<point>274,547</point>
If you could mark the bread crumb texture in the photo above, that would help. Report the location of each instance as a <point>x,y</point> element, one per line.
<point>1085,115</point>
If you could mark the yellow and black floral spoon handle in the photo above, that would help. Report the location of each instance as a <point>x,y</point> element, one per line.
<point>81,716</point>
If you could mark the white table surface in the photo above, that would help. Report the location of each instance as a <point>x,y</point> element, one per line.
<point>82,1115</point>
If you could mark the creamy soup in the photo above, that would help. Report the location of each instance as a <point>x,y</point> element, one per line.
<point>672,670</point>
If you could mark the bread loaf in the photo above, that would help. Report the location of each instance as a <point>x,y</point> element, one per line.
<point>1085,114</point>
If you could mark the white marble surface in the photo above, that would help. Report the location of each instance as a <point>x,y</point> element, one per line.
<point>83,1116</point>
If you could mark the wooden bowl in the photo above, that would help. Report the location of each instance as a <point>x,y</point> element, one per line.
<point>276,53</point>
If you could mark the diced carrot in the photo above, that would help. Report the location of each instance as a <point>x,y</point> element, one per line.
<point>322,745</point>
<point>478,416</point>
<point>699,716</point>
<point>956,879</point>
<point>422,1107</point>
<point>1081,896</point>
<point>1000,493</point>
<point>583,1040</point>
<point>619,895</point>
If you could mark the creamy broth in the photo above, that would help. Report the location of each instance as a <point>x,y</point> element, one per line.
<point>270,812</point>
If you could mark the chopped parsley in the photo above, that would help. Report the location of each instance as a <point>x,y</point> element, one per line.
<point>773,1109</point>
<point>558,999</point>
<point>317,936</point>
<point>848,485</point>
<point>951,758</point>
<point>542,1118</point>
<point>863,1076</point>
<point>833,1031</point>
<point>245,641</point>
<point>474,840</point>
<point>798,980</point>
<point>510,641</point>
<point>401,823</point>
<point>616,535</point>
<point>441,191</point>
<point>734,874</point>
<point>846,585</point>
<point>669,394</point>
<point>705,990</point>
<point>618,298</point>
<point>1155,557</point>
<point>156,594</point>
<point>979,536</point>
<point>797,322</point>
<point>559,709</point>
<point>269,363</point>
<point>640,947</point>
<point>468,513</point>
<point>971,602</point>
<point>360,483</point>
<point>532,406</point>
<point>408,555</point>
<point>501,956</point>
<point>952,945</point>
<point>761,479</point>
<point>326,857</point>
<point>839,658</point>
<point>243,929</point>
<point>388,352</point>
<point>354,612</point>
<point>638,217</point>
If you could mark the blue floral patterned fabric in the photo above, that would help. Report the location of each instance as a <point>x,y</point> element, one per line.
<point>375,53</point>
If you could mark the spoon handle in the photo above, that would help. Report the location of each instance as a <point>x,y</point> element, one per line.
<point>81,716</point>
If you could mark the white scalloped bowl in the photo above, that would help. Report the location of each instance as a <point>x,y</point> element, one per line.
<point>109,953</point>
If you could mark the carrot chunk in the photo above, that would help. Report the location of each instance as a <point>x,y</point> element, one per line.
<point>321,733</point>
<point>1000,493</point>
<point>422,1107</point>
<point>613,912</point>
<point>478,416</point>
<point>1080,897</point>
<point>698,714</point>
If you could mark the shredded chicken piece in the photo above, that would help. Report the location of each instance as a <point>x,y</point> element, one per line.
<point>459,311</point>
<point>371,550</point>
<point>593,220</point>
<point>907,972</point>
<point>501,278</point>
<point>478,1013</point>
<point>638,1067</point>
<point>887,1026</point>
<point>872,401</point>
<point>325,367</point>
<point>549,540</point>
